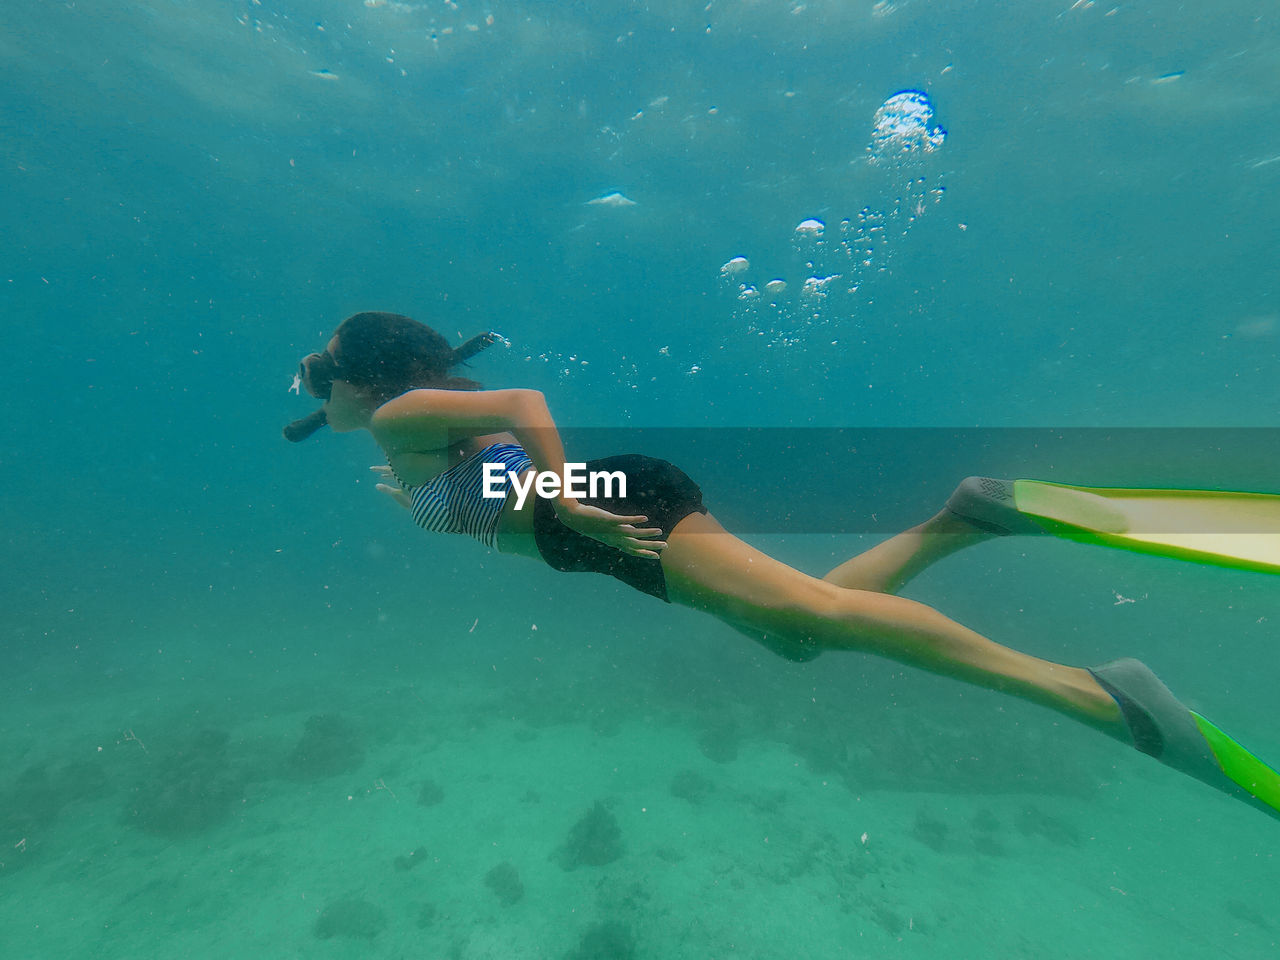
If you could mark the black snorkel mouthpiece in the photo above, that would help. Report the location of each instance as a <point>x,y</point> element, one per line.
<point>299,430</point>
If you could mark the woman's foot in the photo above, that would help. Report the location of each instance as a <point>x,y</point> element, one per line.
<point>988,504</point>
<point>1160,725</point>
<point>1093,700</point>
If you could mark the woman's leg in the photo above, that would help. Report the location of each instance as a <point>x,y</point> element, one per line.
<point>797,615</point>
<point>887,566</point>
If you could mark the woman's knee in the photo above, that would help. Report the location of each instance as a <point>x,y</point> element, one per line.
<point>789,648</point>
<point>800,626</point>
<point>833,619</point>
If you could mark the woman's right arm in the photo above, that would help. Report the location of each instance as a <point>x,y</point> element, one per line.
<point>422,417</point>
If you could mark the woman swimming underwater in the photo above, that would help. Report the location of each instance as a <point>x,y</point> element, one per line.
<point>390,375</point>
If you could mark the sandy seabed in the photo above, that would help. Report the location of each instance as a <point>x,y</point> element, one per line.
<point>668,792</point>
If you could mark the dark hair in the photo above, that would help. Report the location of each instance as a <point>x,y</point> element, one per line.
<point>390,354</point>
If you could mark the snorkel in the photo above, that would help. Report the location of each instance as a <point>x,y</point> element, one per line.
<point>317,371</point>
<point>299,430</point>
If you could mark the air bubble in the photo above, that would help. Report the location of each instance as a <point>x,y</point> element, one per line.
<point>902,127</point>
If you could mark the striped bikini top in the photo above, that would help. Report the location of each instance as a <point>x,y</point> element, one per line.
<point>454,502</point>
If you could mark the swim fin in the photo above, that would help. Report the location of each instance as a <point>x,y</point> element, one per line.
<point>1162,727</point>
<point>1223,528</point>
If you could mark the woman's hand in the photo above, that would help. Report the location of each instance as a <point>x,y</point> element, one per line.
<point>393,489</point>
<point>613,530</point>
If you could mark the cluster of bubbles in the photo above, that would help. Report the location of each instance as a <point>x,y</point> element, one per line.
<point>565,364</point>
<point>837,261</point>
<point>902,128</point>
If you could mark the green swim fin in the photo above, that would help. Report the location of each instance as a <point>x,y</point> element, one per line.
<point>1223,528</point>
<point>1162,727</point>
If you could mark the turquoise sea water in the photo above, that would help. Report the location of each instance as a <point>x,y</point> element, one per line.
<point>247,709</point>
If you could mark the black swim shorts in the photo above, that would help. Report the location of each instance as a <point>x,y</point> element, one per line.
<point>655,488</point>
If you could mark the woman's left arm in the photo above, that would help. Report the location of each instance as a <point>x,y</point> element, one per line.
<point>525,415</point>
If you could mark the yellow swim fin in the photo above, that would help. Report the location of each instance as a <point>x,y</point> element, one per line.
<point>1223,528</point>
